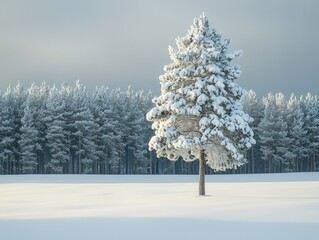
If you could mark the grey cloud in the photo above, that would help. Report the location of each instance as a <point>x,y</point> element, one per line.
<point>117,43</point>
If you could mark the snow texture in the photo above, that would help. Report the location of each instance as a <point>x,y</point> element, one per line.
<point>250,207</point>
<point>199,105</point>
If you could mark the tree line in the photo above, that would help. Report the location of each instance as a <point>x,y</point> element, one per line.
<point>70,130</point>
<point>46,130</point>
<point>286,131</point>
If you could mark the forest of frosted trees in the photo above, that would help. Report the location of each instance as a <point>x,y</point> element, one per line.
<point>70,130</point>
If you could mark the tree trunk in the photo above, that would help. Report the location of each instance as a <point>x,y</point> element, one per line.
<point>252,160</point>
<point>202,173</point>
<point>269,166</point>
<point>151,163</point>
<point>315,164</point>
<point>79,157</point>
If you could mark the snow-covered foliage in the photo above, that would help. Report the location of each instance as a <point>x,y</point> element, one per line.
<point>29,134</point>
<point>288,133</point>
<point>40,129</point>
<point>274,132</point>
<point>199,107</point>
<point>71,130</point>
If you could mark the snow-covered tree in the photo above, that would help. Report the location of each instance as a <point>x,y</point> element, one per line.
<point>310,108</point>
<point>119,111</point>
<point>266,133</point>
<point>17,100</point>
<point>136,141</point>
<point>282,136</point>
<point>273,134</point>
<point>84,130</point>
<point>108,137</point>
<point>198,114</point>
<point>37,98</point>
<point>28,142</point>
<point>143,103</point>
<point>56,133</point>
<point>7,134</point>
<point>66,95</point>
<point>254,108</point>
<point>300,144</point>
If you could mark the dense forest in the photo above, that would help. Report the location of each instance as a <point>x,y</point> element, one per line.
<point>70,130</point>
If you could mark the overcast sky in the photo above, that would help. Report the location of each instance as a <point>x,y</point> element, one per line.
<point>121,43</point>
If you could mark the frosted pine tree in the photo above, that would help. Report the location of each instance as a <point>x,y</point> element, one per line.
<point>84,130</point>
<point>17,100</point>
<point>56,134</point>
<point>198,114</point>
<point>300,141</point>
<point>28,142</point>
<point>254,107</point>
<point>66,95</point>
<point>143,103</point>
<point>273,132</point>
<point>107,137</point>
<point>7,154</point>
<point>265,130</point>
<point>310,108</point>
<point>136,143</point>
<point>292,106</point>
<point>281,135</point>
<point>37,97</point>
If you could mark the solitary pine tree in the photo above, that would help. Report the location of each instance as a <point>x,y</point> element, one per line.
<point>198,114</point>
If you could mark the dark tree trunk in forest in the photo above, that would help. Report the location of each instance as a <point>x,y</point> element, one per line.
<point>151,163</point>
<point>202,173</point>
<point>252,161</point>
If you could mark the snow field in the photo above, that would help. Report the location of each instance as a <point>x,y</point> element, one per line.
<point>275,206</point>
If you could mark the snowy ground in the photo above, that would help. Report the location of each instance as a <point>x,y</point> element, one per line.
<point>275,206</point>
